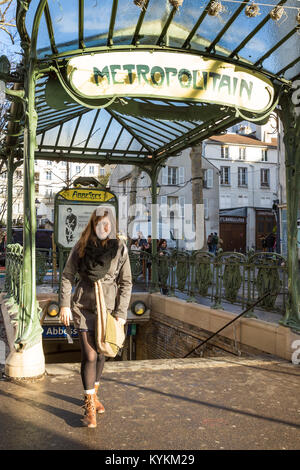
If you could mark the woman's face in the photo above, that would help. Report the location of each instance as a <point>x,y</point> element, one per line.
<point>103,228</point>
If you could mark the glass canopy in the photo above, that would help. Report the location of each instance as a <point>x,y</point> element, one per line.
<point>145,128</point>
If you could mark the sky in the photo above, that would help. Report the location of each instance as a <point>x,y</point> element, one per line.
<point>97,15</point>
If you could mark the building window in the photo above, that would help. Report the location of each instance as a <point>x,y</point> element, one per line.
<point>242,176</point>
<point>264,155</point>
<point>172,175</point>
<point>77,169</point>
<point>225,174</point>
<point>172,202</point>
<point>19,174</point>
<point>49,163</point>
<point>102,171</point>
<point>91,170</point>
<point>224,151</point>
<point>48,175</point>
<point>208,181</point>
<point>265,177</point>
<point>242,153</point>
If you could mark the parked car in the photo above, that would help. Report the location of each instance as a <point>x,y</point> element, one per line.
<point>43,238</point>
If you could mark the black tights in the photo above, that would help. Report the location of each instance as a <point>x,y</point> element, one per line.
<point>92,363</point>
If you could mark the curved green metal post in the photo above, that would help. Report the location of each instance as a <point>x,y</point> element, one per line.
<point>10,175</point>
<point>154,219</point>
<point>291,125</point>
<point>29,328</point>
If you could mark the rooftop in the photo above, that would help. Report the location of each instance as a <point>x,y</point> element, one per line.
<point>239,139</point>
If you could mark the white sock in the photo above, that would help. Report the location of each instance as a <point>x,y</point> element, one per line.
<point>89,392</point>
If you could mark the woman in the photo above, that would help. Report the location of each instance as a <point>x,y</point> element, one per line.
<point>97,255</point>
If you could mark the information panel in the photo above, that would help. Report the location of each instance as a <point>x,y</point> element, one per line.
<point>73,209</point>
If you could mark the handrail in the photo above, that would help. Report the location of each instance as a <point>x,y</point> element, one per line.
<point>231,321</point>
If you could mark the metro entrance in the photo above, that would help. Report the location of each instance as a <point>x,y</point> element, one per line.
<point>138,86</point>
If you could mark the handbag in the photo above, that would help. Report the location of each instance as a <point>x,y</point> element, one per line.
<point>110,334</point>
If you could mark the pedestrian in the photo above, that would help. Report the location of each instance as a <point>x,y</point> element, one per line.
<point>147,264</point>
<point>162,250</point>
<point>98,255</point>
<point>135,246</point>
<point>141,239</point>
<point>209,242</point>
<point>270,242</point>
<point>215,241</point>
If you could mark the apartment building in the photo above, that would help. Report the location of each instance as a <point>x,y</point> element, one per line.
<point>248,169</point>
<point>174,198</point>
<point>49,177</point>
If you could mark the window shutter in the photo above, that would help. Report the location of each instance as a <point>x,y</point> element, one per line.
<point>165,175</point>
<point>181,175</point>
<point>163,206</point>
<point>209,178</point>
<point>181,203</point>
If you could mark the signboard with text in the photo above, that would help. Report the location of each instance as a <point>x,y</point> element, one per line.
<point>169,75</point>
<point>73,209</point>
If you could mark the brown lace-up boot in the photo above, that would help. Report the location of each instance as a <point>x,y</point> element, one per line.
<point>89,418</point>
<point>99,407</point>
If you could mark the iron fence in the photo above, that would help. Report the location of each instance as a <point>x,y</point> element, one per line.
<point>235,278</point>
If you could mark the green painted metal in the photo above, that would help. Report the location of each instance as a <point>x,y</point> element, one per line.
<point>255,31</point>
<point>80,24</point>
<point>227,26</point>
<point>30,330</point>
<point>112,23</point>
<point>227,278</point>
<point>291,125</point>
<point>10,175</point>
<point>136,36</point>
<point>277,45</point>
<point>154,221</point>
<point>162,38</point>
<point>187,42</point>
<point>50,29</point>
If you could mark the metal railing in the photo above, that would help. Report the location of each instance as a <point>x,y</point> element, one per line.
<point>228,277</point>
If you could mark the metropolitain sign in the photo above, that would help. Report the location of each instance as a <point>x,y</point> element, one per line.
<point>169,75</point>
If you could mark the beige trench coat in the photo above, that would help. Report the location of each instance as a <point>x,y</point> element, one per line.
<point>116,286</point>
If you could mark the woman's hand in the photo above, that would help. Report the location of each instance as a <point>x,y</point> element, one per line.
<point>121,320</point>
<point>65,315</point>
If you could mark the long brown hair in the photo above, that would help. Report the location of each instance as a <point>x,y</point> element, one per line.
<point>89,233</point>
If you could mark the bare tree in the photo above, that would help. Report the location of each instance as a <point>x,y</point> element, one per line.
<point>7,19</point>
